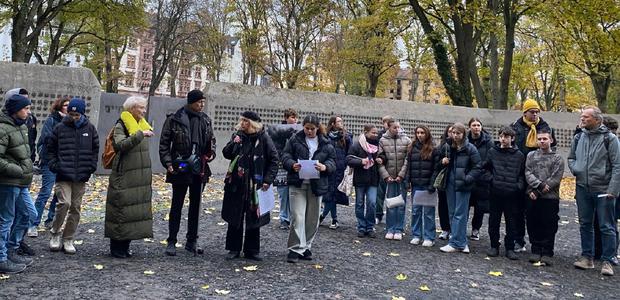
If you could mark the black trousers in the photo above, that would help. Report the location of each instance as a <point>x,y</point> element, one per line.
<point>119,246</point>
<point>235,240</point>
<point>503,204</point>
<point>178,196</point>
<point>520,222</point>
<point>542,224</point>
<point>442,207</point>
<point>480,204</point>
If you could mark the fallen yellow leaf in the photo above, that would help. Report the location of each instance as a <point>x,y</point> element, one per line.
<point>424,288</point>
<point>90,231</point>
<point>205,287</point>
<point>487,258</point>
<point>398,298</point>
<point>163,242</point>
<point>98,267</point>
<point>546,283</point>
<point>538,264</point>
<point>167,217</point>
<point>148,272</point>
<point>221,223</point>
<point>237,270</point>
<point>78,242</point>
<point>496,273</point>
<point>251,268</point>
<point>4,276</point>
<point>318,267</point>
<point>401,277</point>
<point>457,271</point>
<point>366,254</point>
<point>148,240</point>
<point>222,292</point>
<point>394,254</point>
<point>579,295</point>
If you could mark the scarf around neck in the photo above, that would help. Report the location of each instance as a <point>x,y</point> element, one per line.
<point>530,140</point>
<point>132,125</point>
<point>370,149</point>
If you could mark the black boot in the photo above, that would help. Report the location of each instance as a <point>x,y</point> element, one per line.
<point>24,249</point>
<point>115,249</point>
<point>232,255</point>
<point>252,256</point>
<point>9,267</point>
<point>193,247</point>
<point>171,249</point>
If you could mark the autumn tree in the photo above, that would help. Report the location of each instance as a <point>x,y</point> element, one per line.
<point>249,16</point>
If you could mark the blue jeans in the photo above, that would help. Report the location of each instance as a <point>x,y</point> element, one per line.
<point>458,210</point>
<point>285,206</point>
<point>422,219</point>
<point>587,204</point>
<point>365,201</point>
<point>47,186</point>
<point>8,196</point>
<point>25,215</point>
<point>395,217</point>
<point>330,207</point>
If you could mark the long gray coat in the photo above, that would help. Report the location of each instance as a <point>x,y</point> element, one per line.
<point>128,213</point>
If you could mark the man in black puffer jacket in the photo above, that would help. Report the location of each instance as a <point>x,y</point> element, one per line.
<point>72,152</point>
<point>506,163</point>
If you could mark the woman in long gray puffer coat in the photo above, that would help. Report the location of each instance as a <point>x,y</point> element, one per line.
<point>128,206</point>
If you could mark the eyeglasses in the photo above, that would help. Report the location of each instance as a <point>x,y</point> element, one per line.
<point>533,111</point>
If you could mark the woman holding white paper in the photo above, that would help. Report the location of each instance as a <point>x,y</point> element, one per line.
<point>253,166</point>
<point>306,194</point>
<point>424,165</point>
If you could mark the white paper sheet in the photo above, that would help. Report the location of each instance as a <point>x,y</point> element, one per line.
<point>425,198</point>
<point>308,169</point>
<point>266,200</point>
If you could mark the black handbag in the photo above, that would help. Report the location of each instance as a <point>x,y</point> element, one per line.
<point>192,164</point>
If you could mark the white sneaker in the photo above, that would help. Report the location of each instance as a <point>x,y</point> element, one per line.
<point>55,244</point>
<point>68,246</point>
<point>448,249</point>
<point>444,235</point>
<point>32,232</point>
<point>398,236</point>
<point>475,235</point>
<point>415,241</point>
<point>428,243</point>
<point>389,236</point>
<point>465,250</point>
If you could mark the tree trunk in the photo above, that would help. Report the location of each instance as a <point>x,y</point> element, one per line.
<point>510,21</point>
<point>601,87</point>
<point>481,98</point>
<point>415,82</point>
<point>562,93</point>
<point>494,61</point>
<point>373,82</point>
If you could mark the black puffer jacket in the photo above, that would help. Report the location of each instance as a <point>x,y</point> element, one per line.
<point>522,130</point>
<point>361,176</point>
<point>175,142</point>
<point>484,143</point>
<point>464,165</point>
<point>72,152</point>
<point>297,149</point>
<point>422,172</point>
<point>507,166</point>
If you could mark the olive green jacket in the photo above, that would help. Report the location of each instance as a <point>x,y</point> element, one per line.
<point>15,162</point>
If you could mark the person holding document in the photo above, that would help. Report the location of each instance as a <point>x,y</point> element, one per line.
<point>424,165</point>
<point>253,166</point>
<point>309,158</point>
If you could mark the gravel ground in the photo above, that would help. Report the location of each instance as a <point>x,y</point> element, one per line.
<point>344,267</point>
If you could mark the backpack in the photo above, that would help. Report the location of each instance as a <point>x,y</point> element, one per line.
<point>605,140</point>
<point>107,157</point>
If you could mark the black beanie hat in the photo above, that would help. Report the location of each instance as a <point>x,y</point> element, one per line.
<point>251,116</point>
<point>15,103</point>
<point>195,96</point>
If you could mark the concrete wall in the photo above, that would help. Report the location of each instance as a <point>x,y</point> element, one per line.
<point>48,83</point>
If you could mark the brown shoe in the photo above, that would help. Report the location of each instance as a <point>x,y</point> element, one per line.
<point>607,269</point>
<point>584,263</point>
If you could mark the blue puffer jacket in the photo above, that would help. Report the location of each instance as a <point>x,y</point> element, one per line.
<point>46,132</point>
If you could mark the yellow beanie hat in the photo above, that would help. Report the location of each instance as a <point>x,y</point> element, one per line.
<point>530,104</point>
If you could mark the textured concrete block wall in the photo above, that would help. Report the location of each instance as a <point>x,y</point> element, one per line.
<point>48,83</point>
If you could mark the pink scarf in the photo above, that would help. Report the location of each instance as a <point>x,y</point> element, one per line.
<point>370,149</point>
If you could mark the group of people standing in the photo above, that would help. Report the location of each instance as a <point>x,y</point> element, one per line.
<point>517,177</point>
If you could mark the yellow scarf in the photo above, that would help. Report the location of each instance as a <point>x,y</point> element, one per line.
<point>132,125</point>
<point>530,141</point>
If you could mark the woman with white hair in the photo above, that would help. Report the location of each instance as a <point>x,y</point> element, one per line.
<point>253,166</point>
<point>128,213</point>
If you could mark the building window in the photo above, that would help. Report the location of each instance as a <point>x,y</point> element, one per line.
<point>184,72</point>
<point>198,73</point>
<point>184,86</point>
<point>131,61</point>
<point>129,79</point>
<point>198,84</point>
<point>131,44</point>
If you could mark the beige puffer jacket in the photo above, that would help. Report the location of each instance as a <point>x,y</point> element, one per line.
<point>393,152</point>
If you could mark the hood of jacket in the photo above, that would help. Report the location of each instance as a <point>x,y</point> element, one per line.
<point>484,138</point>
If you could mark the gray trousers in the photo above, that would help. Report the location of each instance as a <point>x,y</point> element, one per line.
<point>304,216</point>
